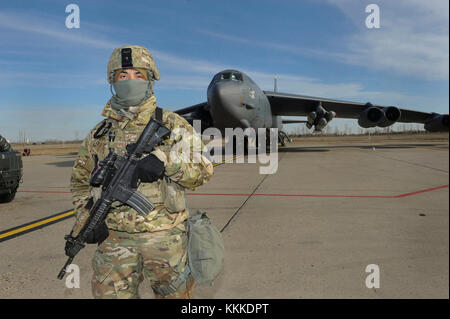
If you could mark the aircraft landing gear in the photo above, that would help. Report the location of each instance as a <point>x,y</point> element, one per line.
<point>281,138</point>
<point>242,146</point>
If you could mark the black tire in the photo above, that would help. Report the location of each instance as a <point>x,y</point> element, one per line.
<point>6,198</point>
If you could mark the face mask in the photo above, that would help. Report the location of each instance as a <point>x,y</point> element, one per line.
<point>130,93</point>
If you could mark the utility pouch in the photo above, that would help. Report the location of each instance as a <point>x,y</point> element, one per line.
<point>173,195</point>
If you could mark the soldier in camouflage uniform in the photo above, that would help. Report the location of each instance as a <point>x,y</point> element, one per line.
<point>155,246</point>
<point>4,145</point>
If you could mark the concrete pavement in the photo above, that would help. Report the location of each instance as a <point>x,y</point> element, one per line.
<point>308,231</point>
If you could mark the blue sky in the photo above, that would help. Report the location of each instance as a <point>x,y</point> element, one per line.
<point>53,80</point>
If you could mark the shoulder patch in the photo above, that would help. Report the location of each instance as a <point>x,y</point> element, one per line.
<point>102,129</point>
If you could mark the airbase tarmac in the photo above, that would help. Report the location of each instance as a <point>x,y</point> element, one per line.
<point>310,230</point>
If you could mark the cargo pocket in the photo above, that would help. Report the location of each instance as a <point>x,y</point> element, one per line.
<point>173,195</point>
<point>102,266</point>
<point>126,284</point>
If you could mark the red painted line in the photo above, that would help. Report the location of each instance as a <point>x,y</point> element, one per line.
<point>290,195</point>
<point>339,196</point>
<point>422,191</point>
<point>286,195</point>
<point>335,196</point>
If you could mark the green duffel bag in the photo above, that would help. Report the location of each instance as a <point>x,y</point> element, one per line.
<point>205,253</point>
<point>205,248</point>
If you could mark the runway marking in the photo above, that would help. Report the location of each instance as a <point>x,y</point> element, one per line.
<point>422,191</point>
<point>326,196</point>
<point>34,225</point>
<point>217,164</point>
<point>44,222</point>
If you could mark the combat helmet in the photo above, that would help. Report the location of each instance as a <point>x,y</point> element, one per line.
<point>132,56</point>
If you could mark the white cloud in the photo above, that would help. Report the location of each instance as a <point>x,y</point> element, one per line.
<point>173,62</point>
<point>289,83</point>
<point>413,38</point>
<point>262,44</point>
<point>49,27</point>
<point>49,79</point>
<point>44,26</point>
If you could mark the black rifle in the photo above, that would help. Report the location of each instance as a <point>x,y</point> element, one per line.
<point>115,175</point>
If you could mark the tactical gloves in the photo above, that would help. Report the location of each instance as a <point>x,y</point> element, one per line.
<point>72,247</point>
<point>149,169</point>
<point>97,236</point>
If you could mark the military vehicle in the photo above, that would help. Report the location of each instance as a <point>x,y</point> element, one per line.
<point>10,175</point>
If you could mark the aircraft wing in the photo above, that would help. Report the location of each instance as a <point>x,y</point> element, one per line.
<point>191,109</point>
<point>302,105</point>
<point>197,112</point>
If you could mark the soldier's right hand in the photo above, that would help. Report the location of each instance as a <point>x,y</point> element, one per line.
<point>72,246</point>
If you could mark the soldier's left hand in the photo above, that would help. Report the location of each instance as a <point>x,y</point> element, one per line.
<point>149,169</point>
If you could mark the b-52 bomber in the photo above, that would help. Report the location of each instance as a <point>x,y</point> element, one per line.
<point>235,100</point>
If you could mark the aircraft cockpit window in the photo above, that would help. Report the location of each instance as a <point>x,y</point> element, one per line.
<point>236,76</point>
<point>231,76</point>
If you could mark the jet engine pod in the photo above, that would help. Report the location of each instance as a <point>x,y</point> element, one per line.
<point>311,117</point>
<point>391,115</point>
<point>320,124</point>
<point>439,123</point>
<point>370,116</point>
<point>330,115</point>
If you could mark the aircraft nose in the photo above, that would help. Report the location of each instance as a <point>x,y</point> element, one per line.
<point>224,99</point>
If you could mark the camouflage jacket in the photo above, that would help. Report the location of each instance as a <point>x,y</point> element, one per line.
<point>184,168</point>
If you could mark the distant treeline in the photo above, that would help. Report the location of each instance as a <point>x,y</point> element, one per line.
<point>403,128</point>
<point>50,142</point>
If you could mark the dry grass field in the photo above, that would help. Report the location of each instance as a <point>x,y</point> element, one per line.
<point>49,149</point>
<point>71,148</point>
<point>374,139</point>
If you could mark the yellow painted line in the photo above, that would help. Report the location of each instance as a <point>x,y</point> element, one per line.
<point>227,160</point>
<point>34,225</point>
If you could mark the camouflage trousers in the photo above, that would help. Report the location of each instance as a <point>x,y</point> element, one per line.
<point>123,260</point>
